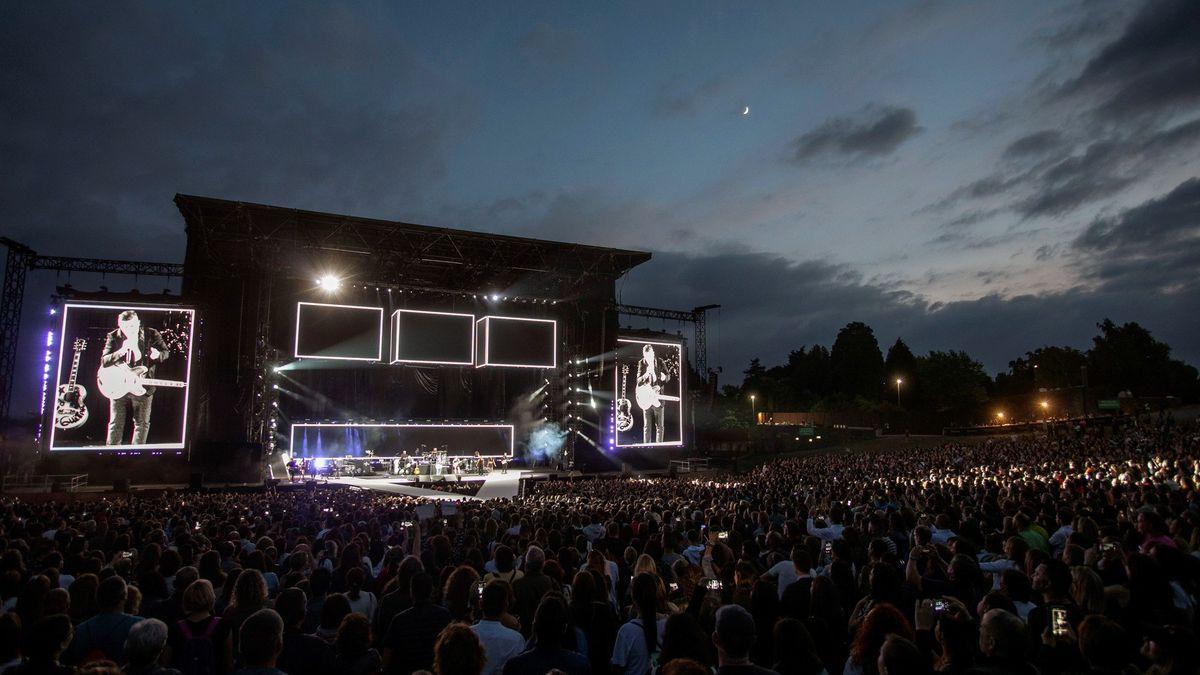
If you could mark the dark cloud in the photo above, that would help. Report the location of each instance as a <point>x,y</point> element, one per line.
<point>1136,101</point>
<point>1095,22</point>
<point>1154,63</point>
<point>1047,252</point>
<point>1035,144</point>
<point>551,44</point>
<point>1153,246</point>
<point>772,305</point>
<point>1051,184</point>
<point>875,131</point>
<point>108,112</point>
<point>676,99</point>
<point>1077,179</point>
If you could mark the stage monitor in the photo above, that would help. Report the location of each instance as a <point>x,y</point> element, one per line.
<point>516,342</point>
<point>649,393</point>
<point>432,338</point>
<point>363,439</point>
<point>122,375</point>
<point>342,332</point>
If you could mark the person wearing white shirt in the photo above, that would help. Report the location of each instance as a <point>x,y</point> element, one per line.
<point>594,530</point>
<point>694,550</point>
<point>363,602</point>
<point>938,536</point>
<point>786,572</point>
<point>940,531</point>
<point>831,533</point>
<point>637,644</point>
<point>500,643</point>
<point>1014,550</point>
<point>1058,540</point>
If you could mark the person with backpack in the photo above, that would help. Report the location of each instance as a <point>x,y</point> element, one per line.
<point>200,643</point>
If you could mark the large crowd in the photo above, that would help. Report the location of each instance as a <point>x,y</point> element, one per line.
<point>1070,551</point>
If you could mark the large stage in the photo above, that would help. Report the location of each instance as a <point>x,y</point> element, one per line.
<point>309,335</point>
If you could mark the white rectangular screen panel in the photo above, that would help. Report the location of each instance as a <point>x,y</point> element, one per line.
<point>432,338</point>
<point>353,439</point>
<point>340,332</point>
<point>516,342</point>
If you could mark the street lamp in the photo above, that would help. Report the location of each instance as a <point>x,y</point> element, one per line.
<point>1045,406</point>
<point>1000,416</point>
<point>753,415</point>
<point>898,383</point>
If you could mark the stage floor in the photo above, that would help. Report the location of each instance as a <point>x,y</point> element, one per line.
<point>496,485</point>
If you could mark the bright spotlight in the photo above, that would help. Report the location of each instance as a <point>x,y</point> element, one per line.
<point>329,283</point>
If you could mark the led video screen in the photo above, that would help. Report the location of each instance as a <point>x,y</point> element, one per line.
<point>122,378</point>
<point>516,342</point>
<point>350,439</point>
<point>345,332</point>
<point>433,338</point>
<point>648,393</point>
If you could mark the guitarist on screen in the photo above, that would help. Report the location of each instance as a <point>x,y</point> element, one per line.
<point>652,373</point>
<point>132,346</point>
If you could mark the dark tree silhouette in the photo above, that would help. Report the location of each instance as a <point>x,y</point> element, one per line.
<point>857,363</point>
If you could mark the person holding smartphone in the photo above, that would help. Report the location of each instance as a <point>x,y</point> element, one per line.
<point>1052,579</point>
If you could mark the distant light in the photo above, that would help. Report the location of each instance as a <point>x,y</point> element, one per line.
<point>53,311</point>
<point>495,297</point>
<point>329,283</point>
<point>899,381</point>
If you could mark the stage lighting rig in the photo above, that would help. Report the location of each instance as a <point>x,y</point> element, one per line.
<point>329,283</point>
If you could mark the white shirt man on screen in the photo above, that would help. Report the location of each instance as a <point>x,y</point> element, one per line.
<point>132,346</point>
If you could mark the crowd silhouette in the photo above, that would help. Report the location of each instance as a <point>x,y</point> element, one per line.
<point>1069,551</point>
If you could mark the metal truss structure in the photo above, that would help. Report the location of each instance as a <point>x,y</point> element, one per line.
<point>237,237</point>
<point>696,315</point>
<point>20,261</point>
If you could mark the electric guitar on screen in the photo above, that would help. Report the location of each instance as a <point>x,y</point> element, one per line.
<point>69,410</point>
<point>624,407</point>
<point>120,380</point>
<point>650,395</point>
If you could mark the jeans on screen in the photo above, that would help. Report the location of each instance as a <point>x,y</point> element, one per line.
<point>118,412</point>
<point>652,424</point>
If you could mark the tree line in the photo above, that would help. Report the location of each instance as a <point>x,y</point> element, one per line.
<point>855,374</point>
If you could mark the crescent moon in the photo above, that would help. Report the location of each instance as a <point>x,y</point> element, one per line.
<point>746,111</point>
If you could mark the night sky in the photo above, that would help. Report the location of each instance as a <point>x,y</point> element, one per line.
<point>982,176</point>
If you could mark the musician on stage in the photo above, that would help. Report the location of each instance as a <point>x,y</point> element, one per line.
<point>292,468</point>
<point>652,372</point>
<point>132,345</point>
